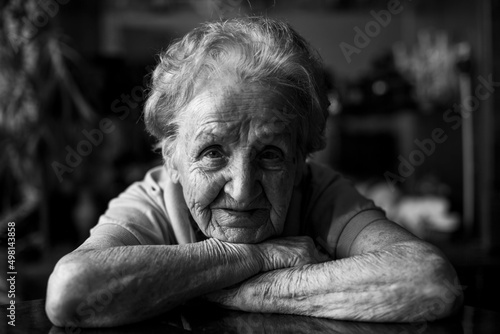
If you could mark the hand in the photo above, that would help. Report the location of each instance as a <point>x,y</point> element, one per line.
<point>289,252</point>
<point>248,259</point>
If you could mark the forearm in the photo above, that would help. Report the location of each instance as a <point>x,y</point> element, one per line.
<point>404,282</point>
<point>119,285</point>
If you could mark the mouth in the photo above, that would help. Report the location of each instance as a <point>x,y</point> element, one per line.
<point>240,213</point>
<point>237,218</point>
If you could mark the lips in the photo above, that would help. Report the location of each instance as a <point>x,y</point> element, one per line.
<point>240,213</point>
<point>232,218</point>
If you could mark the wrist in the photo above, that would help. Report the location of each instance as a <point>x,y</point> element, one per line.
<point>261,254</point>
<point>256,253</point>
<point>246,256</point>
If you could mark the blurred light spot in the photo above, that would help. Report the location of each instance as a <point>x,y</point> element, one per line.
<point>379,87</point>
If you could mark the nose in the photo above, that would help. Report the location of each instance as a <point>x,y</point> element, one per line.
<point>243,181</point>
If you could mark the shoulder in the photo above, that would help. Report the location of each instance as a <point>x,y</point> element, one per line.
<point>146,194</point>
<point>322,183</point>
<point>320,175</point>
<point>332,203</point>
<point>140,210</point>
<point>153,182</point>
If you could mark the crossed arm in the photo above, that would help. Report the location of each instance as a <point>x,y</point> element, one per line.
<point>398,279</point>
<point>389,275</point>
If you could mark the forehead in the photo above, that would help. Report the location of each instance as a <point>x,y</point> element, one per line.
<point>224,110</point>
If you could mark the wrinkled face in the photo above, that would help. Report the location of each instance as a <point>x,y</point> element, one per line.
<point>236,160</point>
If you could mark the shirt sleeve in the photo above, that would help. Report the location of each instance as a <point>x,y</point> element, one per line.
<point>337,212</point>
<point>137,216</point>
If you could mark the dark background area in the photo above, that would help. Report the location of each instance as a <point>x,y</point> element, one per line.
<point>73,79</point>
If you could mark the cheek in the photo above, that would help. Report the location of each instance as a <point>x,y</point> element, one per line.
<point>279,189</point>
<point>201,189</point>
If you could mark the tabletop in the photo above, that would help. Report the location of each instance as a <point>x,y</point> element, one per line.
<point>30,317</point>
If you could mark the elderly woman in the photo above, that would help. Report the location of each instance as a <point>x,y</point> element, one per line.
<point>237,213</point>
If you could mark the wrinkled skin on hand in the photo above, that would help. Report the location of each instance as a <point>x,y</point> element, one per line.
<point>289,252</point>
<point>280,253</point>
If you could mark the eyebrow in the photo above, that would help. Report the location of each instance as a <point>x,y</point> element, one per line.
<point>211,132</point>
<point>281,137</point>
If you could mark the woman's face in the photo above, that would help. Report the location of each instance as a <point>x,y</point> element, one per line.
<point>236,160</point>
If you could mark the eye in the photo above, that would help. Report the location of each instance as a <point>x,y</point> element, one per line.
<point>271,155</point>
<point>212,153</point>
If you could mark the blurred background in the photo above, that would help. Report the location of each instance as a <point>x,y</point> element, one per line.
<point>414,90</point>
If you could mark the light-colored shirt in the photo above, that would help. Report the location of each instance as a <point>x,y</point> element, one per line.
<point>325,206</point>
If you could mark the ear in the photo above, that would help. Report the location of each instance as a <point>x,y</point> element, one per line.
<point>168,152</point>
<point>172,170</point>
<point>300,169</point>
<point>174,175</point>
